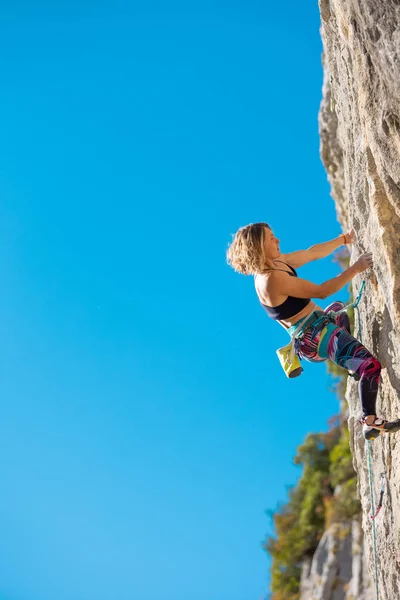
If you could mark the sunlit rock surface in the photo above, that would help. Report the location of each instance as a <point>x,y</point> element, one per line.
<point>360,148</point>
<point>338,569</point>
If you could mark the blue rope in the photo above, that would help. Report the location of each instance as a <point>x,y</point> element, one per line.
<point>370,474</point>
<point>357,302</point>
<point>352,305</point>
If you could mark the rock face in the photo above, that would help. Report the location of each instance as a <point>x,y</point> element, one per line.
<point>360,148</point>
<point>338,569</point>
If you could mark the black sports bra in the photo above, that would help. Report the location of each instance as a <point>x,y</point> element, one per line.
<point>291,306</point>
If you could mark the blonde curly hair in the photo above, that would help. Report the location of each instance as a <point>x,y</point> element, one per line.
<point>246,252</point>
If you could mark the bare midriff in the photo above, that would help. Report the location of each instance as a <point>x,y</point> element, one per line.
<point>311,307</point>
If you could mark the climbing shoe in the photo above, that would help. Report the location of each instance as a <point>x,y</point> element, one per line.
<point>378,426</point>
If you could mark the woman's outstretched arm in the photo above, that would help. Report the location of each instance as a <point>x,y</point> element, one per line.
<point>302,257</point>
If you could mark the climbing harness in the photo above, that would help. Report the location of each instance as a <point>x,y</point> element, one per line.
<point>378,508</point>
<point>288,356</point>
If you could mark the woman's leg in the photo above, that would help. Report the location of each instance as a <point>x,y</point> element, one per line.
<point>349,353</point>
<point>335,342</point>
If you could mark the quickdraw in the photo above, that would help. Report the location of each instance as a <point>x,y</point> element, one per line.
<point>379,506</point>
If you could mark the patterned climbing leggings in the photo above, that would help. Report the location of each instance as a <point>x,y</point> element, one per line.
<point>335,342</point>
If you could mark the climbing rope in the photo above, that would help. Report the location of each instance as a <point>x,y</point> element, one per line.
<point>370,475</point>
<point>353,305</point>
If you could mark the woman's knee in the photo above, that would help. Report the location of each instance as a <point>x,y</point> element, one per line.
<point>342,319</point>
<point>370,368</point>
<point>334,306</point>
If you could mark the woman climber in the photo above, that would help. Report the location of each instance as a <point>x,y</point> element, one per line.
<point>286,298</point>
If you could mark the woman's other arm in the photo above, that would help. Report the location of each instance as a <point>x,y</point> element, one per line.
<point>285,285</point>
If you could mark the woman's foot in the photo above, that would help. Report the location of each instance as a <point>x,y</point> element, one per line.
<point>373,426</point>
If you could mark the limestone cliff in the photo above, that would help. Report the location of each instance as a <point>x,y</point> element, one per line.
<point>338,569</point>
<point>360,148</point>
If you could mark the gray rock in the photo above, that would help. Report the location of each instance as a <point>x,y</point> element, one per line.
<point>337,570</point>
<point>360,147</point>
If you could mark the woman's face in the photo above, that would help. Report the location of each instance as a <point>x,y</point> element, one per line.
<point>271,245</point>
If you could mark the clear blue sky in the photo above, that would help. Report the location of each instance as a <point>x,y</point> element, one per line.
<point>146,425</point>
